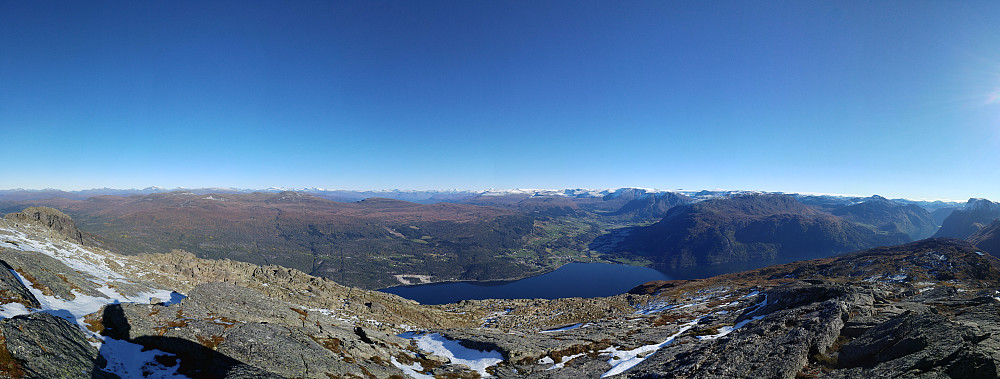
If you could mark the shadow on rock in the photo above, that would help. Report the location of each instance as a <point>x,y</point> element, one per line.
<point>196,360</point>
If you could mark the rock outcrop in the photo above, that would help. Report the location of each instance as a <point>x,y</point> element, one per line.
<point>224,330</point>
<point>50,218</point>
<point>925,344</point>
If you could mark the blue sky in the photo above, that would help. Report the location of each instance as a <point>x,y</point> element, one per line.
<point>898,98</point>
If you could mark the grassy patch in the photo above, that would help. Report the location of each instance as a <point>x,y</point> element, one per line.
<point>94,321</point>
<point>709,331</point>
<point>211,342</point>
<point>332,344</point>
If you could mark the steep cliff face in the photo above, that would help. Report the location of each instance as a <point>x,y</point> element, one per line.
<point>50,218</point>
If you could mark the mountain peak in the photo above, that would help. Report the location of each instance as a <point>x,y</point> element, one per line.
<point>979,203</point>
<point>874,198</point>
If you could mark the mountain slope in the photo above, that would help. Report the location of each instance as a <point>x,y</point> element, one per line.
<point>891,217</point>
<point>853,316</point>
<point>364,243</point>
<point>758,227</point>
<point>638,204</point>
<point>988,238</point>
<point>965,222</point>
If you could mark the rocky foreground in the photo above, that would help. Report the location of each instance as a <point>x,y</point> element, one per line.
<point>925,309</point>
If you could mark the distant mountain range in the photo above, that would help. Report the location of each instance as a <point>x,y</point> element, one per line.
<point>890,217</point>
<point>372,239</point>
<point>925,309</point>
<point>436,196</point>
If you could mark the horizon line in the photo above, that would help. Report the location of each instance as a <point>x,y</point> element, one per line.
<point>523,190</point>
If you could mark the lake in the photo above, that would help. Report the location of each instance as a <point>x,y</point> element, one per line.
<point>571,280</point>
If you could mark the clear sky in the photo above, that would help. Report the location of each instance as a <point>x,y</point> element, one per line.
<point>898,98</point>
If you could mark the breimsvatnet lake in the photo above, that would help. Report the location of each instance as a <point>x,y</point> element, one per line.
<point>570,280</point>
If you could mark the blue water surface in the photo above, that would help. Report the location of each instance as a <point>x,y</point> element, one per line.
<point>571,280</point>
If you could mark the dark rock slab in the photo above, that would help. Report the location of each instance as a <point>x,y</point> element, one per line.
<point>40,345</point>
<point>12,290</point>
<point>927,345</point>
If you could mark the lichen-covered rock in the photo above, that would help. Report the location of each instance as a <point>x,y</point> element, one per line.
<point>40,345</point>
<point>284,351</point>
<point>250,372</point>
